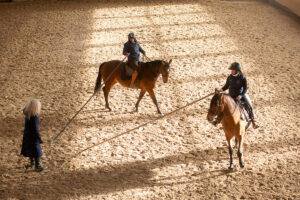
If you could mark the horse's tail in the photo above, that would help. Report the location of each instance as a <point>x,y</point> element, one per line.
<point>99,78</point>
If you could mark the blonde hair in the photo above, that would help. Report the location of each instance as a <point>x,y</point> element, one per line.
<point>32,108</point>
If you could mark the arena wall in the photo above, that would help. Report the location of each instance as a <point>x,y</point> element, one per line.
<point>288,5</point>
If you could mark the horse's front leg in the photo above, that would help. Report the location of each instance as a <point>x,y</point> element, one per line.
<point>106,90</point>
<point>142,93</point>
<point>230,153</point>
<point>240,151</point>
<point>152,95</point>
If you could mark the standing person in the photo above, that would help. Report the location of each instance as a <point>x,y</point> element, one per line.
<point>32,139</point>
<point>132,51</point>
<point>237,85</point>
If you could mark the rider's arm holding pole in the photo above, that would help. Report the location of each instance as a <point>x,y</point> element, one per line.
<point>125,51</point>
<point>226,86</point>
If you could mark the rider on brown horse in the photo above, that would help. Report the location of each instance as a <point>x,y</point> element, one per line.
<point>237,85</point>
<point>132,51</point>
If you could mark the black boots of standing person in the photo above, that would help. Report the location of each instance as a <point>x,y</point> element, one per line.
<point>38,167</point>
<point>32,162</point>
<point>35,162</point>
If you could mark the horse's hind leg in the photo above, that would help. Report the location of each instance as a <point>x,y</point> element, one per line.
<point>142,93</point>
<point>152,95</point>
<point>240,151</point>
<point>230,153</point>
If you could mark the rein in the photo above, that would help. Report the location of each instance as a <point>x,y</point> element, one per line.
<point>232,112</point>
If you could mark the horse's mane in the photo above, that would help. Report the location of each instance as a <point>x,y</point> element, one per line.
<point>153,63</point>
<point>214,100</point>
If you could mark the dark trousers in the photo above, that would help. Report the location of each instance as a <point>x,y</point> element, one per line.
<point>35,161</point>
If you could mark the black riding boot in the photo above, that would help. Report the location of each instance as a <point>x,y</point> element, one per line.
<point>38,167</point>
<point>254,123</point>
<point>246,98</point>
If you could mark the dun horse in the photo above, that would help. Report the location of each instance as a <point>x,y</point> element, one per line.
<point>148,75</point>
<point>232,123</point>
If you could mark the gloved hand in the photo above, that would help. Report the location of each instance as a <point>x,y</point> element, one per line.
<point>238,98</point>
<point>218,91</point>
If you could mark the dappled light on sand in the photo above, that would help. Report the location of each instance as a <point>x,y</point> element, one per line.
<point>52,52</point>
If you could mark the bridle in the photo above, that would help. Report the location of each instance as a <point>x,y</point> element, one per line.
<point>219,107</point>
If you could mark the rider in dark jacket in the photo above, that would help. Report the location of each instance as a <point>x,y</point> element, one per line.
<point>237,85</point>
<point>132,51</point>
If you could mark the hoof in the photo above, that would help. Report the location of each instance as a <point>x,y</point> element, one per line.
<point>242,165</point>
<point>230,167</point>
<point>159,112</point>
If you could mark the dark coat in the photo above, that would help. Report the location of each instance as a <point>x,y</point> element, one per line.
<point>237,85</point>
<point>32,139</point>
<point>134,49</point>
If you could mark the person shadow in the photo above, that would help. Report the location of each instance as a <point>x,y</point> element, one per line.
<point>62,182</point>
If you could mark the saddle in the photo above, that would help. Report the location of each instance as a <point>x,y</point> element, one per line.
<point>127,71</point>
<point>245,110</point>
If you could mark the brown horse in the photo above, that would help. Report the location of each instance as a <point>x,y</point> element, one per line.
<point>232,123</point>
<point>146,79</point>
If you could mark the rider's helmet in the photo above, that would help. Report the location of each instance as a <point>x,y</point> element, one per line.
<point>131,35</point>
<point>236,66</point>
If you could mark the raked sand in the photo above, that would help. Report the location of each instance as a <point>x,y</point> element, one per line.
<point>52,51</point>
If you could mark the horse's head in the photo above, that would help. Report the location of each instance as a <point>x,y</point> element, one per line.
<point>165,69</point>
<point>216,107</point>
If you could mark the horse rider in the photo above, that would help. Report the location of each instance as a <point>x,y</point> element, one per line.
<point>132,51</point>
<point>237,85</point>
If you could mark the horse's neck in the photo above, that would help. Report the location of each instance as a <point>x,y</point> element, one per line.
<point>229,106</point>
<point>154,68</point>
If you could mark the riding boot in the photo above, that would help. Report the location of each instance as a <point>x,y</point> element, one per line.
<point>246,98</point>
<point>134,75</point>
<point>38,167</point>
<point>254,123</point>
<point>219,119</point>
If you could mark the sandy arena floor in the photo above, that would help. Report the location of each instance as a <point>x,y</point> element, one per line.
<point>52,51</point>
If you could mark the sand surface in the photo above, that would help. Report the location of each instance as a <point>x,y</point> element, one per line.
<point>52,51</point>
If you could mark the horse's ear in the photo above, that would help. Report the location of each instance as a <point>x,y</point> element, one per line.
<point>170,61</point>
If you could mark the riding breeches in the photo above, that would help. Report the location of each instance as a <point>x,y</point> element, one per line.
<point>247,99</point>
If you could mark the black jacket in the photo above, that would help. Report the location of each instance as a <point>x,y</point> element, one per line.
<point>236,85</point>
<point>134,49</point>
<point>31,139</point>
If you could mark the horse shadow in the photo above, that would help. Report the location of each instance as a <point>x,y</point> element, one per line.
<point>61,182</point>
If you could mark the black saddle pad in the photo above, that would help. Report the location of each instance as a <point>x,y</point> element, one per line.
<point>126,71</point>
<point>124,74</point>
